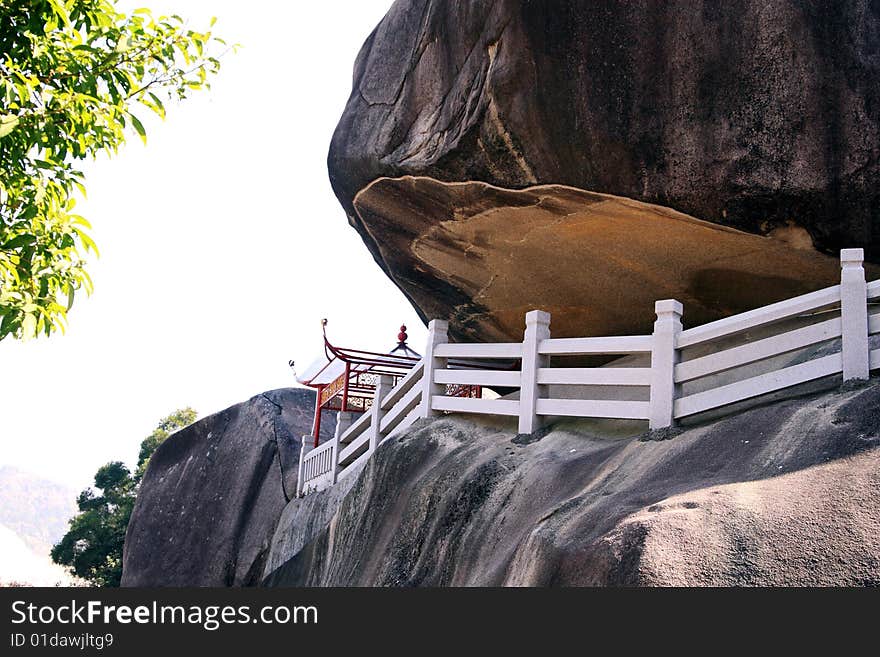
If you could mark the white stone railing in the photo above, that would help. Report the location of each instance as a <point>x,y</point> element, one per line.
<point>318,466</point>
<point>323,466</point>
<point>663,377</point>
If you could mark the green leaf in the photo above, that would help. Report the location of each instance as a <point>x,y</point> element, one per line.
<point>86,240</point>
<point>60,11</point>
<point>158,104</point>
<point>9,324</point>
<point>8,123</point>
<point>24,239</point>
<point>139,127</point>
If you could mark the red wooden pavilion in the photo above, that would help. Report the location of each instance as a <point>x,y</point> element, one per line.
<point>345,379</point>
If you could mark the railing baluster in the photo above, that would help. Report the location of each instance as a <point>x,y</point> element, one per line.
<point>537,329</point>
<point>303,451</point>
<point>438,333</point>
<point>664,357</point>
<point>383,387</point>
<point>854,315</point>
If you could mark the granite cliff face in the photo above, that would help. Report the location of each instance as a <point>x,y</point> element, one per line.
<point>781,494</point>
<point>763,117</point>
<point>784,494</point>
<point>213,492</point>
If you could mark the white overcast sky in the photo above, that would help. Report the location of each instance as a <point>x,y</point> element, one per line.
<point>222,247</point>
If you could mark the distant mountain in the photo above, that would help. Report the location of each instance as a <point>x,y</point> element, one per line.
<point>19,564</point>
<point>33,515</point>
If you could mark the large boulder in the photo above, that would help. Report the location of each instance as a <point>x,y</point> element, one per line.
<point>763,117</point>
<point>213,492</point>
<point>784,494</point>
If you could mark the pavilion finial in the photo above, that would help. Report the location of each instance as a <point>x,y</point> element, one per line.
<point>402,336</point>
<point>326,341</point>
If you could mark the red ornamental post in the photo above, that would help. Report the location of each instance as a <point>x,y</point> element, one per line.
<point>317,423</point>
<point>345,387</point>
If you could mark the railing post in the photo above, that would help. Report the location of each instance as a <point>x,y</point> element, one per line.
<point>383,387</point>
<point>854,315</point>
<point>334,462</point>
<point>537,329</point>
<point>664,357</point>
<point>305,448</point>
<point>438,333</point>
<point>344,419</point>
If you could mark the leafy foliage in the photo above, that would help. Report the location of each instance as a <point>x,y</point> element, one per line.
<point>92,547</point>
<point>72,74</point>
<point>178,419</point>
